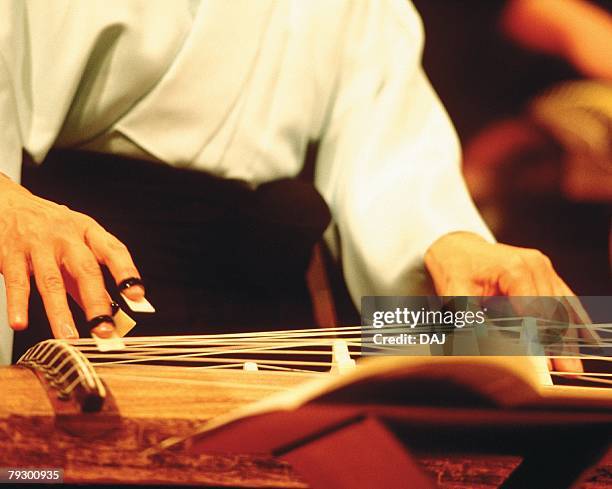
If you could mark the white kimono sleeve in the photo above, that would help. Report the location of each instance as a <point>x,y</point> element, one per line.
<point>389,160</point>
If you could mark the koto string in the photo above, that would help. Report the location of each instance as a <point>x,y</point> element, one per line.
<point>251,385</point>
<point>232,350</point>
<point>304,333</point>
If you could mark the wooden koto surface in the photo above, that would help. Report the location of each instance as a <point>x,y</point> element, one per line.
<point>154,409</point>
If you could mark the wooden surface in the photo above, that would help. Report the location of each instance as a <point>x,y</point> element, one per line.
<point>156,409</point>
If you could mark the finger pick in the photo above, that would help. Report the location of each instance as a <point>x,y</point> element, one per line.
<point>141,305</point>
<point>112,343</point>
<point>123,323</point>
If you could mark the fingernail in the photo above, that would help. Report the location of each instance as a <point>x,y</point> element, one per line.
<point>68,332</point>
<point>131,283</point>
<point>134,292</point>
<point>104,330</point>
<point>19,322</point>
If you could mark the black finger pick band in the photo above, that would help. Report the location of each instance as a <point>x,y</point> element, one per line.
<point>129,282</point>
<point>104,318</point>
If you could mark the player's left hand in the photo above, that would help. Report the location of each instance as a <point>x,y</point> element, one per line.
<point>464,264</point>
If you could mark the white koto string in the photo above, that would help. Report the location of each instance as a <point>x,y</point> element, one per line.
<point>271,351</point>
<point>265,342</point>
<point>221,346</point>
<point>247,335</point>
<point>294,334</point>
<point>586,356</point>
<point>173,370</point>
<point>562,373</point>
<point>257,336</point>
<point>278,349</point>
<point>588,378</point>
<point>205,356</point>
<point>287,342</point>
<point>217,345</point>
<point>208,383</point>
<point>273,348</point>
<point>191,359</point>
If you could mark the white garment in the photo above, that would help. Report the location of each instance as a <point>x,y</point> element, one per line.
<point>238,88</point>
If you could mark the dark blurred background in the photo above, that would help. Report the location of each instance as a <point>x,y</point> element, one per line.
<point>528,85</point>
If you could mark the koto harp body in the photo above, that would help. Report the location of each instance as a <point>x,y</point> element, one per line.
<point>150,411</point>
<point>242,428</point>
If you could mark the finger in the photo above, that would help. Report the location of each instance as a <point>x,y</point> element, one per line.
<point>123,322</point>
<point>562,290</point>
<point>84,270</point>
<point>516,282</point>
<point>579,315</point>
<point>53,292</point>
<point>17,282</point>
<point>114,254</point>
<point>73,290</point>
<point>578,312</point>
<point>516,279</point>
<point>568,365</point>
<point>542,273</point>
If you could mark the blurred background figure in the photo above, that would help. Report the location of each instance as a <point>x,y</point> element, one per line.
<point>528,84</point>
